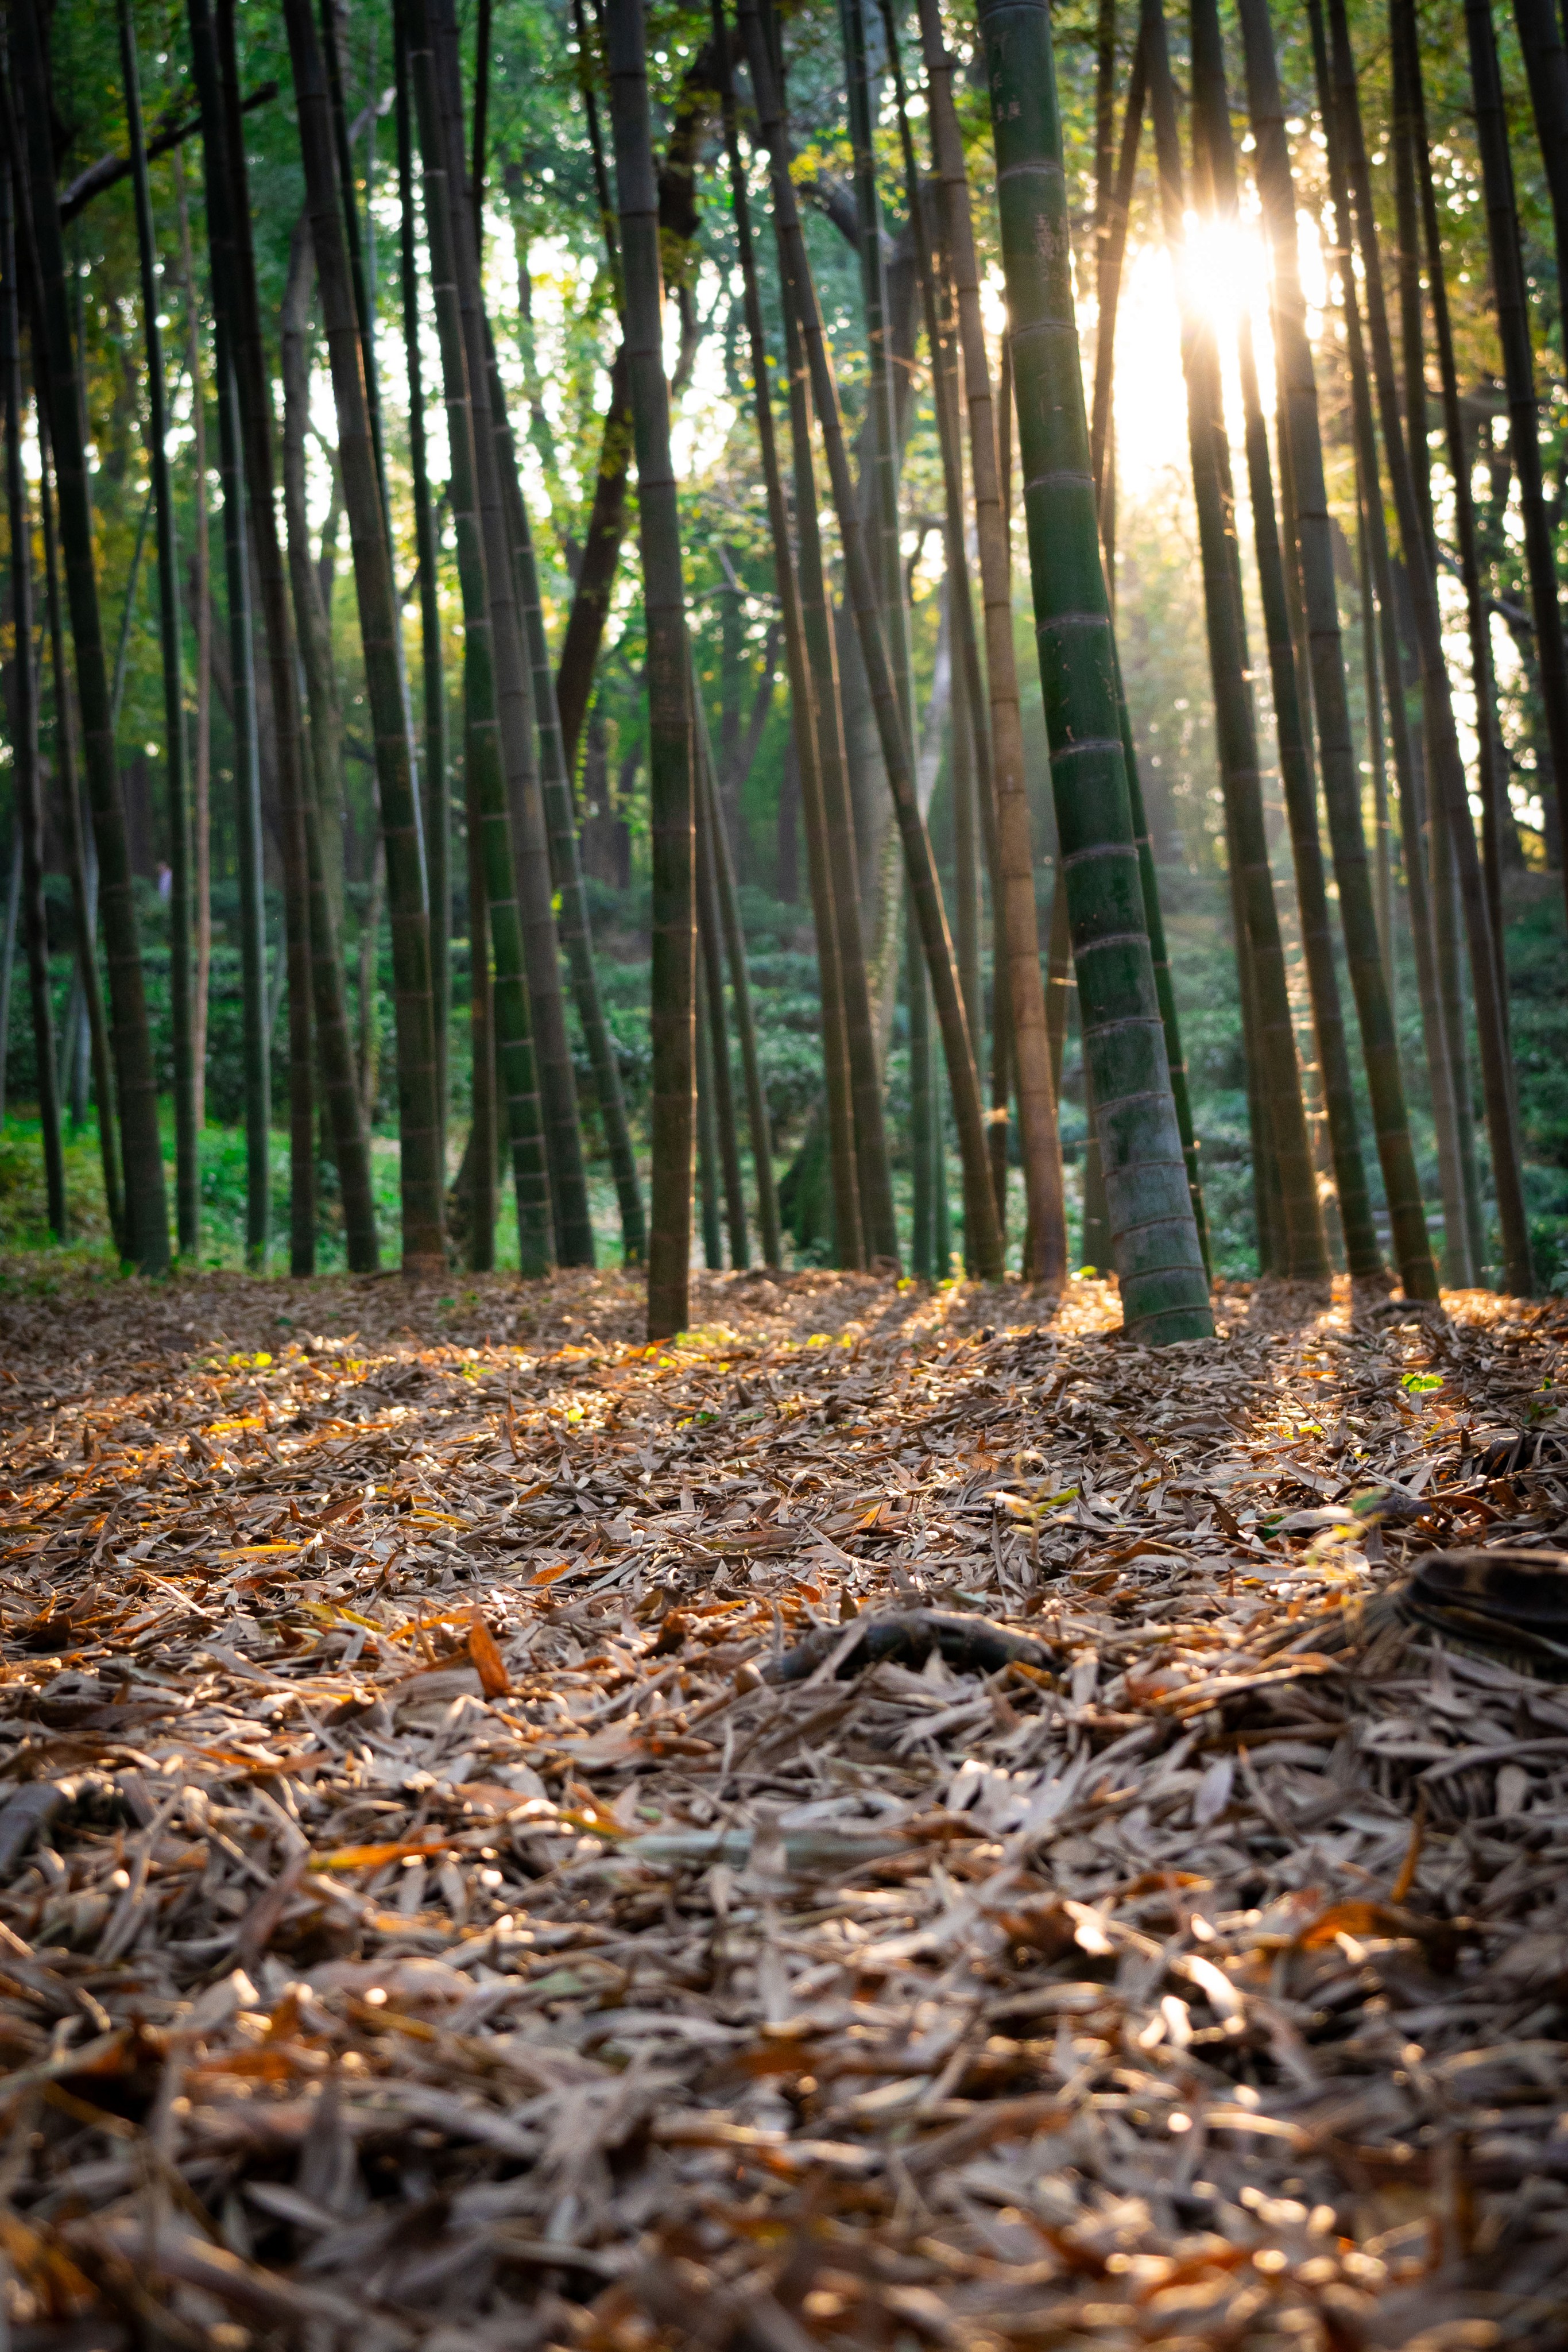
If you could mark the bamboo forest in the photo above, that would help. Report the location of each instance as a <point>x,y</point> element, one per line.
<point>783,1175</point>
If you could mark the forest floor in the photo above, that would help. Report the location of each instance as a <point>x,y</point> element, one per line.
<point>435,1911</point>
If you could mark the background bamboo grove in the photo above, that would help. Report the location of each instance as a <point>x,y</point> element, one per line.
<point>922,635</point>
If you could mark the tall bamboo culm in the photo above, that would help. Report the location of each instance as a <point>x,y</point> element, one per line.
<point>671,750</point>
<point>146,1236</point>
<point>1157,1253</point>
<point>1313,552</point>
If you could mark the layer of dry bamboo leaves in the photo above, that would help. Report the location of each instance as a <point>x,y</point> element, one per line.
<point>444,1932</point>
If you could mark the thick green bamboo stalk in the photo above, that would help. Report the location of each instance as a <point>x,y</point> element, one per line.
<point>983,1246</point>
<point>187,1165</point>
<point>28,812</point>
<point>423,1175</point>
<point>573,926</point>
<point>1510,300</point>
<point>1301,1254</point>
<point>1314,553</point>
<point>1016,923</point>
<point>427,551</point>
<point>364,307</point>
<point>1442,736</point>
<point>501,1026</point>
<point>1159,1256</point>
<point>82,912</point>
<point>573,1228</point>
<point>671,751</point>
<point>745,1024</point>
<point>803,711</point>
<point>147,1228</point>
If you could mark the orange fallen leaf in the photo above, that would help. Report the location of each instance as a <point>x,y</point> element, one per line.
<point>491,1667</point>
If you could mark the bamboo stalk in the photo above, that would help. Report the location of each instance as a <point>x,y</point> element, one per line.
<point>710,942</point>
<point>1448,767</point>
<point>803,714</point>
<point>1155,1235</point>
<point>187,1165</point>
<point>501,1029</point>
<point>982,1230</point>
<point>1039,1142</point>
<point>26,794</point>
<point>671,747</point>
<point>1314,553</point>
<point>202,600</point>
<point>146,1232</point>
<point>746,1025</point>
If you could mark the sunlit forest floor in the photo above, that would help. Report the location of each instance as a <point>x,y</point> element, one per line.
<point>812,1834</point>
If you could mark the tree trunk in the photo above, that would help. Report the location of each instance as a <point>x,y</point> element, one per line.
<point>982,1230</point>
<point>27,812</point>
<point>8,957</point>
<point>1363,1255</point>
<point>1410,124</point>
<point>672,761</point>
<point>1510,297</point>
<point>427,551</point>
<point>1154,1233</point>
<point>1448,767</point>
<point>710,943</point>
<point>557,1078</point>
<point>1112,215</point>
<point>1314,553</point>
<point>202,600</point>
<point>187,1167</point>
<point>1300,1251</point>
<point>566,872</point>
<point>1372,691</point>
<point>146,1226</point>
<point>805,733</point>
<point>361,296</point>
<point>1541,37</point>
<point>312,618</point>
<point>1040,1142</point>
<point>500,1026</point>
<point>745,1024</point>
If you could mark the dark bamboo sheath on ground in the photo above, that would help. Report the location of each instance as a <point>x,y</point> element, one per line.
<point>227,234</point>
<point>573,1230</point>
<point>1362,1256</point>
<point>1103,476</point>
<point>427,551</point>
<point>422,1173</point>
<point>247,809</point>
<point>76,852</point>
<point>671,750</point>
<point>566,865</point>
<point>502,1027</point>
<point>1164,1292</point>
<point>1308,502</point>
<point>26,795</point>
<point>1448,767</point>
<point>982,1229</point>
<point>1018,927</point>
<point>1410,122</point>
<point>1540,37</point>
<point>146,1215</point>
<point>187,1171</point>
<point>1510,297</point>
<point>803,714</point>
<point>1408,765</point>
<point>1276,1072</point>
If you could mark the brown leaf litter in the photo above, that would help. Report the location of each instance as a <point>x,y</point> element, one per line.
<point>434,1916</point>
